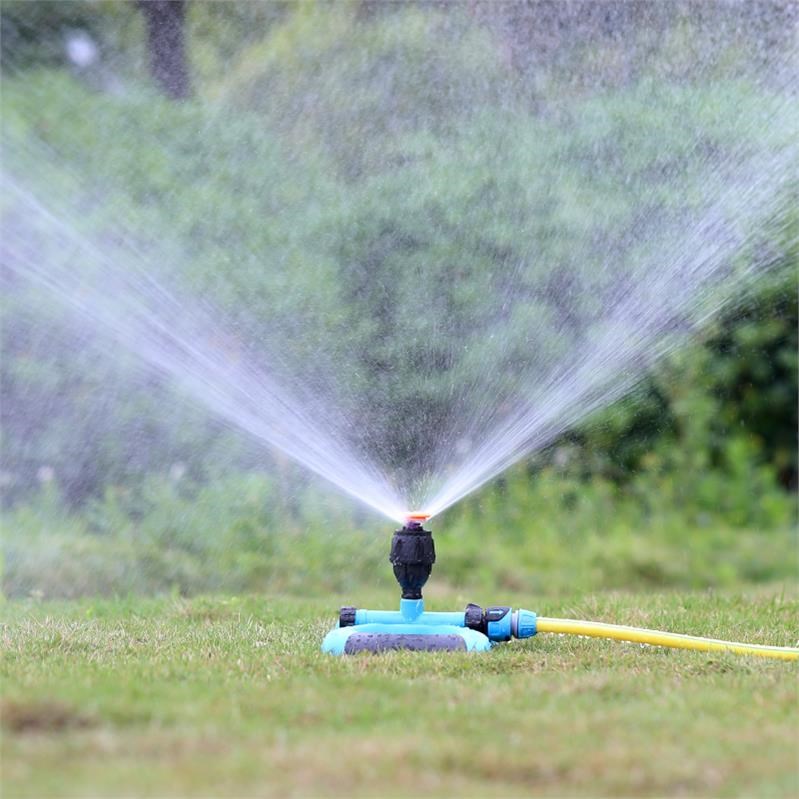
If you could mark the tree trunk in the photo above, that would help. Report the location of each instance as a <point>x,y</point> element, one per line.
<point>166,45</point>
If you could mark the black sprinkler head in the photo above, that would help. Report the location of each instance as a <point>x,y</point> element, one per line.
<point>412,556</point>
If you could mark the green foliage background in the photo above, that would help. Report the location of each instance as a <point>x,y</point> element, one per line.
<point>393,136</point>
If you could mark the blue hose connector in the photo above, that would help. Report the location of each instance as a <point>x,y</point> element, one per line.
<point>523,623</point>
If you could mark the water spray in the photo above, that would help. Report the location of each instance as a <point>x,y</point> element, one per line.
<point>478,629</point>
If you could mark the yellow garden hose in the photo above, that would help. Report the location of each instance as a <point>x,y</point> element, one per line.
<point>639,635</point>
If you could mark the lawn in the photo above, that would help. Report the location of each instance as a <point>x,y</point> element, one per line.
<point>229,696</point>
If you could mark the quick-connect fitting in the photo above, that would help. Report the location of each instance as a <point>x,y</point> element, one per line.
<point>523,623</point>
<point>500,623</point>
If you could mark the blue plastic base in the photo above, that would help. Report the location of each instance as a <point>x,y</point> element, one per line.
<point>378,637</point>
<point>412,627</point>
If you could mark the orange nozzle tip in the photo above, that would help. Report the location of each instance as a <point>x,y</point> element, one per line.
<point>417,516</point>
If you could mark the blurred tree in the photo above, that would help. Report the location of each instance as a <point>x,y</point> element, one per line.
<point>329,77</point>
<point>35,32</point>
<point>165,20</point>
<point>614,42</point>
<point>217,33</point>
<point>753,368</point>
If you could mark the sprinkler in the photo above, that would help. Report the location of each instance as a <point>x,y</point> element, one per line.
<point>412,627</point>
<point>477,629</point>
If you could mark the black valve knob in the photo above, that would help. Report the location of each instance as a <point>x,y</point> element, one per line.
<point>346,617</point>
<point>473,618</point>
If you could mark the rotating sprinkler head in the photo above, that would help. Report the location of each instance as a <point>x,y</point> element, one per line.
<point>412,555</point>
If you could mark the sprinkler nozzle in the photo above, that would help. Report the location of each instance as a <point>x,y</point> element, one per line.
<point>412,555</point>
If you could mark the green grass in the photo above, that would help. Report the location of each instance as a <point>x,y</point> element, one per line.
<point>231,697</point>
